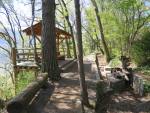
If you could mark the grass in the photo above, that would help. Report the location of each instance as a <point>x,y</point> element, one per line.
<point>7,88</point>
<point>144,70</point>
<point>147,87</point>
<point>24,78</point>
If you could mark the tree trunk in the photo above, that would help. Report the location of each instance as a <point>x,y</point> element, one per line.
<point>32,30</point>
<point>70,27</point>
<point>84,93</point>
<point>68,49</point>
<point>49,62</point>
<point>67,43</point>
<point>101,30</point>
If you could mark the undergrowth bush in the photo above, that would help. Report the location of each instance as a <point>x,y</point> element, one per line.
<point>141,50</point>
<point>147,87</point>
<point>143,69</point>
<point>24,78</point>
<point>7,88</point>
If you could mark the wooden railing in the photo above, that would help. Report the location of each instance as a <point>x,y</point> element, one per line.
<point>28,54</point>
<point>25,54</point>
<point>20,103</point>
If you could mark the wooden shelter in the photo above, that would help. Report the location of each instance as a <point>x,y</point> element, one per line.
<point>24,59</point>
<point>60,34</point>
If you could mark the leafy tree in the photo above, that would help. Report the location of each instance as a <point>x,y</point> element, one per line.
<point>133,16</point>
<point>141,50</point>
<point>91,40</point>
<point>101,30</point>
<point>67,18</point>
<point>84,93</point>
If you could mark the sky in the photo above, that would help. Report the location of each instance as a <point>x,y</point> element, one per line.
<point>23,10</point>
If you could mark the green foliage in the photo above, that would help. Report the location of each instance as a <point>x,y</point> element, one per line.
<point>141,50</point>
<point>24,78</point>
<point>115,63</point>
<point>144,70</point>
<point>147,87</point>
<point>7,88</point>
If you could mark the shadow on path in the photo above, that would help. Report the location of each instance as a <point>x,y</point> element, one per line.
<point>41,99</point>
<point>126,102</point>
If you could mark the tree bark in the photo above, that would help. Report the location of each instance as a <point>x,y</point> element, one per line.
<point>49,62</point>
<point>67,43</point>
<point>84,93</point>
<point>70,27</point>
<point>32,30</point>
<point>101,30</point>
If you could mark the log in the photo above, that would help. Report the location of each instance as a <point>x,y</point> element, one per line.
<point>20,103</point>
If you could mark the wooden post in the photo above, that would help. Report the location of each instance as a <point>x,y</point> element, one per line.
<point>14,53</point>
<point>20,103</point>
<point>14,56</point>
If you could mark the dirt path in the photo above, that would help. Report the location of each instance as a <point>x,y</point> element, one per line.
<point>127,102</point>
<point>65,94</point>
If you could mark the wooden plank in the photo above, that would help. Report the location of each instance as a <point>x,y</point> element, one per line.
<point>29,53</point>
<point>28,48</point>
<point>32,60</point>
